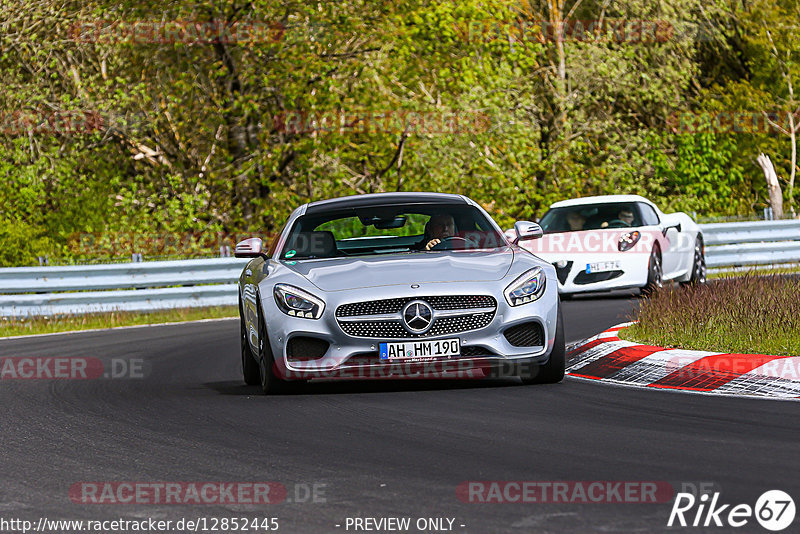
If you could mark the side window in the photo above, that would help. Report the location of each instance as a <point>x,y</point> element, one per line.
<point>649,216</point>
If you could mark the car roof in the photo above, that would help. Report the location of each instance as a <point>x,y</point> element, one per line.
<point>601,199</point>
<point>382,199</point>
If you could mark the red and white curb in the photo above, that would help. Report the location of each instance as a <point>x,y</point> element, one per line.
<point>608,358</point>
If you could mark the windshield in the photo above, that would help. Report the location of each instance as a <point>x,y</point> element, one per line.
<point>391,229</point>
<point>591,217</point>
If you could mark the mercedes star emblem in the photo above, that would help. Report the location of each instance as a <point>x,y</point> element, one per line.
<point>417,316</point>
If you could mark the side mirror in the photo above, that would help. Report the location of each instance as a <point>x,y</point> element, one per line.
<point>527,230</point>
<point>249,248</point>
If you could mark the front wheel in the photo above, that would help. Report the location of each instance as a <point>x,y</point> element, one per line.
<point>553,371</point>
<point>250,371</point>
<point>270,382</point>
<point>655,273</point>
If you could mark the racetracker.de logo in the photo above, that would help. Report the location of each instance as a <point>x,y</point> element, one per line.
<point>607,241</point>
<point>385,121</point>
<point>572,30</point>
<point>59,122</point>
<point>406,369</point>
<point>176,31</point>
<point>567,491</point>
<point>177,493</point>
<point>733,121</point>
<point>415,369</point>
<point>71,368</point>
<point>157,244</point>
<point>693,366</point>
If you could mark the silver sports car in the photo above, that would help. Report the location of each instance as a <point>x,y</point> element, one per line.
<point>397,285</point>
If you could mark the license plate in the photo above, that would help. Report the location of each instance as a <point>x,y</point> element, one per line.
<point>602,266</point>
<point>420,350</point>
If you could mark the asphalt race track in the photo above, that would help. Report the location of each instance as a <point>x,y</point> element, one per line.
<point>374,449</point>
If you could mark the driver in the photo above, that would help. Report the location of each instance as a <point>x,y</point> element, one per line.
<point>625,215</point>
<point>438,227</point>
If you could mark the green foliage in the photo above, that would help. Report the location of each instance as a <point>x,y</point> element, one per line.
<point>21,244</point>
<point>193,136</point>
<point>703,176</point>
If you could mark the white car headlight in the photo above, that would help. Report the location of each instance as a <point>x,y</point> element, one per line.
<point>527,288</point>
<point>628,241</point>
<point>298,303</point>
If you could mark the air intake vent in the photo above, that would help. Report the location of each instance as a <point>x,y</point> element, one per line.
<point>583,278</point>
<point>525,335</point>
<point>563,272</point>
<point>303,349</point>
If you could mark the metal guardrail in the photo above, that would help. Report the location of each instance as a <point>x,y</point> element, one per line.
<point>750,232</point>
<point>743,244</point>
<point>148,286</point>
<point>120,275</point>
<point>47,304</point>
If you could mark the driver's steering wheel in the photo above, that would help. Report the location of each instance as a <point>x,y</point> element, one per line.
<point>618,223</point>
<point>447,240</point>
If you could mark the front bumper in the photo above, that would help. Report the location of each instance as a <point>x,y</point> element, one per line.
<point>573,278</point>
<point>349,356</point>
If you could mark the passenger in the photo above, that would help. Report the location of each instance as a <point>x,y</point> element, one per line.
<point>575,221</point>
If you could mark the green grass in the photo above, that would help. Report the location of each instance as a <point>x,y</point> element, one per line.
<point>20,326</point>
<point>758,271</point>
<point>747,314</point>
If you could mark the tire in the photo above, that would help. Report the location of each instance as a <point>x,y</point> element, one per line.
<point>250,371</point>
<point>698,276</point>
<point>655,273</point>
<point>553,371</point>
<point>271,383</point>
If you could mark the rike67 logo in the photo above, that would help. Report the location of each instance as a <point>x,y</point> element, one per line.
<point>774,510</point>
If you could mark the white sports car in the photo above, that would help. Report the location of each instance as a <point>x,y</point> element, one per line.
<point>618,242</point>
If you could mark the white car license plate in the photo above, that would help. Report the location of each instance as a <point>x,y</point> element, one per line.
<point>602,266</point>
<point>420,350</point>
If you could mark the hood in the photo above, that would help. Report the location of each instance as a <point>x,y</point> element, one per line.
<point>339,274</point>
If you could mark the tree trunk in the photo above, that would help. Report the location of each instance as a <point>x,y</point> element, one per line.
<point>774,188</point>
<point>793,130</point>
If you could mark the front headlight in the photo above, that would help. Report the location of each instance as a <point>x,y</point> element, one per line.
<point>527,288</point>
<point>298,303</point>
<point>627,241</point>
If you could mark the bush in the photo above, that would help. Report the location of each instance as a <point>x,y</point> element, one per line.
<point>21,244</point>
